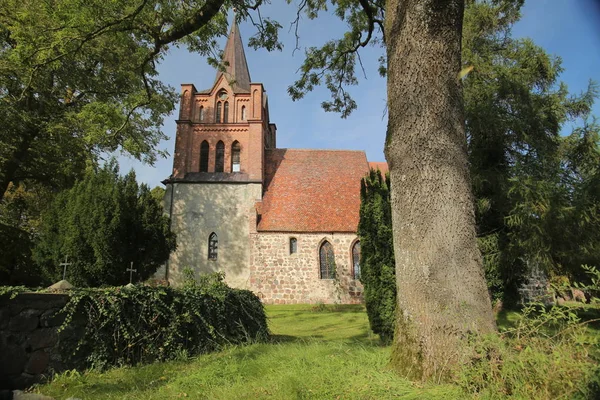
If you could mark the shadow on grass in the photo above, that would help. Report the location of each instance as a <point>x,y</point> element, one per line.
<point>505,319</point>
<point>293,339</point>
<point>284,339</point>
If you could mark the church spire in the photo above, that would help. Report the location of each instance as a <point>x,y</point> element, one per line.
<point>234,56</point>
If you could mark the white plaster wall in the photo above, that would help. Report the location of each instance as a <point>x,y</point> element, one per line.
<point>198,209</point>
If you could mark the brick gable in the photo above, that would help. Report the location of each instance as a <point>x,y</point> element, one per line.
<point>378,165</point>
<point>312,190</point>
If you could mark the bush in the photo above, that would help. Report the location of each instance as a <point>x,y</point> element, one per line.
<point>549,354</point>
<point>129,325</point>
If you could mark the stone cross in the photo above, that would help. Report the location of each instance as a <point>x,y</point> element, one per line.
<point>65,265</point>
<point>131,271</point>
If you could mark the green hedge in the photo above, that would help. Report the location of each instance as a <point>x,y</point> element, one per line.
<point>126,326</point>
<point>378,268</point>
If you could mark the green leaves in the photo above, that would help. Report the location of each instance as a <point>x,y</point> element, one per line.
<point>334,63</point>
<point>126,326</point>
<point>78,78</point>
<point>522,169</point>
<point>103,223</point>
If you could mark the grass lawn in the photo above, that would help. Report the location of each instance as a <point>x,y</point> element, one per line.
<point>314,354</point>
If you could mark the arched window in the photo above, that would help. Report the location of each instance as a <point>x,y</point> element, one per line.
<point>327,261</point>
<point>226,112</point>
<point>356,260</point>
<point>213,246</point>
<point>243,113</point>
<point>220,158</point>
<point>235,157</point>
<point>293,246</point>
<point>218,114</point>
<point>201,114</point>
<point>204,156</point>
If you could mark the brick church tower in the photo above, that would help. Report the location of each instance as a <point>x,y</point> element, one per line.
<point>218,170</point>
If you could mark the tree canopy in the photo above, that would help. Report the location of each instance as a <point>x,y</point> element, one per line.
<point>79,79</point>
<point>524,180</point>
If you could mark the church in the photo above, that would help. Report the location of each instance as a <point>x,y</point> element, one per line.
<point>279,222</point>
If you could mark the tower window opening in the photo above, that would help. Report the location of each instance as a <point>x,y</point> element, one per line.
<point>226,112</point>
<point>201,114</point>
<point>204,149</point>
<point>235,157</point>
<point>218,113</point>
<point>293,245</point>
<point>220,157</point>
<point>243,113</point>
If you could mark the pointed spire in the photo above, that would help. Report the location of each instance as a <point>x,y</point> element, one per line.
<point>237,68</point>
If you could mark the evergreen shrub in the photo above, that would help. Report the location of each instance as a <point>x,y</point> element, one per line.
<point>378,268</point>
<point>103,223</point>
<point>139,324</point>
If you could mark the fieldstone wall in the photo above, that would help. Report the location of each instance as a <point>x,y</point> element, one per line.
<point>536,287</point>
<point>279,277</point>
<point>29,342</point>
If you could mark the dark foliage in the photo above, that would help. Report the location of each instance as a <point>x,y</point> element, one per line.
<point>378,274</point>
<point>130,325</point>
<point>102,224</point>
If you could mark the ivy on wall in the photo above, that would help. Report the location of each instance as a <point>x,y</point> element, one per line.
<point>130,325</point>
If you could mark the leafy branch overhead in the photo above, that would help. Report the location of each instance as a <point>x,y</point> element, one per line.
<point>79,79</point>
<point>334,64</point>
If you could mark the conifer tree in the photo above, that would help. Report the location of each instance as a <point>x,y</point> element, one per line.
<point>377,254</point>
<point>102,224</point>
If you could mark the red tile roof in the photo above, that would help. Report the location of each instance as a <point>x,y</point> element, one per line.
<point>312,190</point>
<point>377,165</point>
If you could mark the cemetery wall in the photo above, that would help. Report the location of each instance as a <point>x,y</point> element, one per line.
<point>30,347</point>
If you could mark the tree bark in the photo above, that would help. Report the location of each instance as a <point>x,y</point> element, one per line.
<point>442,294</point>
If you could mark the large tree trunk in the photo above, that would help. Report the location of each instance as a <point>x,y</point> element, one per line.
<point>442,294</point>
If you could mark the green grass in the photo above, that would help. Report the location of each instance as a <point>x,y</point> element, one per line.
<point>326,354</point>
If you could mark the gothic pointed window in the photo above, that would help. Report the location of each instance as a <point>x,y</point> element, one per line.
<point>326,261</point>
<point>204,148</point>
<point>235,157</point>
<point>226,112</point>
<point>293,245</point>
<point>213,246</point>
<point>220,157</point>
<point>201,114</point>
<point>356,260</point>
<point>218,113</point>
<point>243,113</point>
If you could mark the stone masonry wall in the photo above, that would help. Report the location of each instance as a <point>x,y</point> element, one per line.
<point>29,342</point>
<point>279,277</point>
<point>536,287</point>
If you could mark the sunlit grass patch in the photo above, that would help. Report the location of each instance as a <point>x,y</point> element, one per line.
<point>316,353</point>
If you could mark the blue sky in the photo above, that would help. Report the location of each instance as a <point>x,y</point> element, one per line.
<point>569,29</point>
